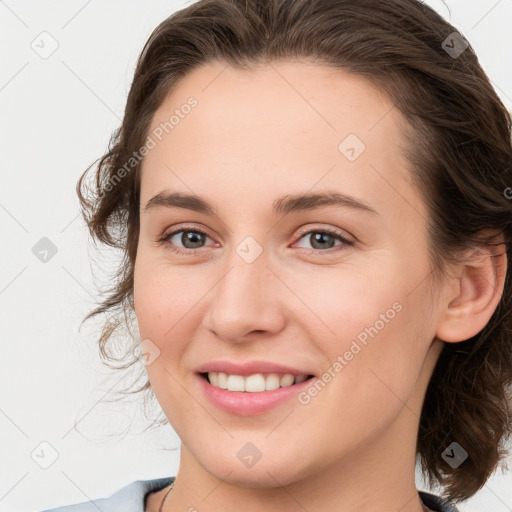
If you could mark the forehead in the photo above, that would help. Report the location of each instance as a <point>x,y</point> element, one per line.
<point>313,97</point>
<point>293,124</point>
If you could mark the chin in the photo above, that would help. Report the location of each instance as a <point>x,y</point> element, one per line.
<point>269,471</point>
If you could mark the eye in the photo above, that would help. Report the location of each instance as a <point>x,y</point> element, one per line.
<point>325,239</point>
<point>190,238</point>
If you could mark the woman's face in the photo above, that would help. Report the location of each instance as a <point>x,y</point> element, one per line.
<point>266,291</point>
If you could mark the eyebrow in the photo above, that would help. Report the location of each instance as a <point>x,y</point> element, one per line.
<point>281,206</point>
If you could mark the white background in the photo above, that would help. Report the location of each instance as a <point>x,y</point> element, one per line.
<point>57,116</point>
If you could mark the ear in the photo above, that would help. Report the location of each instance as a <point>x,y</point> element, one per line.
<point>473,292</point>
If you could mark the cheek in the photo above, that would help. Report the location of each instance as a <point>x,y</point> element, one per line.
<point>160,301</point>
<point>374,331</point>
<point>170,306</point>
<point>163,294</point>
<point>164,307</point>
<point>348,303</point>
<point>372,372</point>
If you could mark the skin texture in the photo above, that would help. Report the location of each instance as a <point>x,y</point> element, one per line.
<point>255,136</point>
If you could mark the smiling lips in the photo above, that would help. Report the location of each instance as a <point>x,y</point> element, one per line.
<point>250,388</point>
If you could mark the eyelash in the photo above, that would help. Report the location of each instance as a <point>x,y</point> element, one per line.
<point>345,242</point>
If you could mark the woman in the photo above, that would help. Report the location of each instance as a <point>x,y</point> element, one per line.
<point>297,376</point>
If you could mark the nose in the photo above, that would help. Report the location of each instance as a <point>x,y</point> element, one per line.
<point>246,304</point>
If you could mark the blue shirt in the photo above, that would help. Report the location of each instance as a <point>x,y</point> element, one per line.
<point>132,498</point>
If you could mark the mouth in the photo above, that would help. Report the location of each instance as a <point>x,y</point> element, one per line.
<point>254,383</point>
<point>252,393</point>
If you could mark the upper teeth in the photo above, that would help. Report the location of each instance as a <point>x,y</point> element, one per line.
<point>253,383</point>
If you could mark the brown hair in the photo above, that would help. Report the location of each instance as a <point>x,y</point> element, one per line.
<point>458,144</point>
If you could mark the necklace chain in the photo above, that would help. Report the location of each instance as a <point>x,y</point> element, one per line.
<point>165,498</point>
<point>427,509</point>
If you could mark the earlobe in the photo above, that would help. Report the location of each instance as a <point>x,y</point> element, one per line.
<point>474,294</point>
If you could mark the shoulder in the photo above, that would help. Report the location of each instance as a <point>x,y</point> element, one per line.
<point>130,497</point>
<point>436,503</point>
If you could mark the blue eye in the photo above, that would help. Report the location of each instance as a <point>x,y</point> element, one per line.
<point>319,238</point>
<point>190,238</point>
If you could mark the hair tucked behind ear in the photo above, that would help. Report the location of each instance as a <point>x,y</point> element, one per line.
<point>458,144</point>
